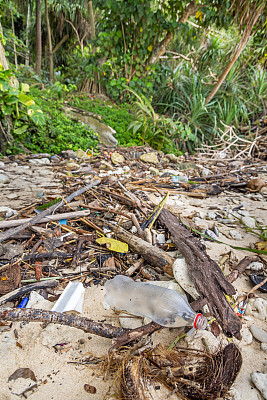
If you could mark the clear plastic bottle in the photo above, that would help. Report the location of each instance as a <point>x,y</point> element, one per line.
<point>164,306</point>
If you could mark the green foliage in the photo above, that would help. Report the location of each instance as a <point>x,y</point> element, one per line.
<point>58,131</point>
<point>159,131</point>
<point>117,116</point>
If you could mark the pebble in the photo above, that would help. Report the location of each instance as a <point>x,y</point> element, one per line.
<point>117,158</point>
<point>211,215</point>
<point>244,213</point>
<point>249,221</point>
<point>260,381</point>
<point>257,308</point>
<point>170,172</point>
<point>263,191</point>
<point>149,158</point>
<point>258,333</point>
<point>246,336</point>
<point>106,166</point>
<point>39,161</point>
<point>4,178</point>
<point>200,223</point>
<point>235,234</point>
<point>171,157</point>
<point>2,165</point>
<point>255,266</point>
<point>264,347</point>
<point>81,154</point>
<point>9,212</point>
<point>206,172</point>
<point>154,171</point>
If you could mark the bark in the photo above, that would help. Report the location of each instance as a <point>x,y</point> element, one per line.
<point>50,47</point>
<point>91,19</point>
<point>38,37</point>
<point>240,47</point>
<point>27,289</point>
<point>14,45</point>
<point>206,275</point>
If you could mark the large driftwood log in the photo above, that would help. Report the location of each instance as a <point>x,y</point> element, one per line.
<point>208,278</point>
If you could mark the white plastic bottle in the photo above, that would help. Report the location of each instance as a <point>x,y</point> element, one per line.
<point>164,306</point>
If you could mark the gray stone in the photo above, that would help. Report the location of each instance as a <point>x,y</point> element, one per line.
<point>4,178</point>
<point>171,157</point>
<point>244,213</point>
<point>235,234</point>
<point>211,215</point>
<point>249,221</point>
<point>255,266</point>
<point>40,161</point>
<point>264,347</point>
<point>117,158</point>
<point>260,381</point>
<point>149,158</point>
<point>258,333</point>
<point>106,166</point>
<point>154,171</point>
<point>206,172</point>
<point>2,165</point>
<point>246,336</point>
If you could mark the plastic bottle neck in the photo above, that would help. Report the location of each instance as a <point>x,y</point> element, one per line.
<point>200,322</point>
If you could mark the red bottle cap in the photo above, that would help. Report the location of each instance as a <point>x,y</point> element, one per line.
<point>200,322</point>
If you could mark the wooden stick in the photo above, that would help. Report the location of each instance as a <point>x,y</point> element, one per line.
<point>86,324</point>
<point>240,268</point>
<point>55,217</point>
<point>14,231</point>
<point>26,289</point>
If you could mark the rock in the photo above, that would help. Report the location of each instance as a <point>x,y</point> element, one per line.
<point>211,234</point>
<point>7,211</point>
<point>257,308</point>
<point>4,178</point>
<point>260,381</point>
<point>235,395</point>
<point>246,336</point>
<point>149,158</point>
<point>81,154</point>
<point>117,158</point>
<point>72,166</point>
<point>255,184</point>
<point>235,234</point>
<point>55,159</point>
<point>39,161</point>
<point>154,171</point>
<point>249,221</point>
<point>39,302</point>
<point>263,191</point>
<point>171,157</point>
<point>180,272</point>
<point>130,323</point>
<point>2,165</point>
<point>264,347</point>
<point>244,213</point>
<point>68,154</point>
<point>105,165</point>
<point>170,172</point>
<point>196,341</point>
<point>200,223</point>
<point>258,333</point>
<point>255,266</point>
<point>211,215</point>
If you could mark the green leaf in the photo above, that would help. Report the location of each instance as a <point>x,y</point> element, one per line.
<point>25,87</point>
<point>36,115</point>
<point>21,129</point>
<point>25,100</point>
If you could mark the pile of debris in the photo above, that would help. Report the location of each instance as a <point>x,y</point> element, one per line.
<point>157,218</point>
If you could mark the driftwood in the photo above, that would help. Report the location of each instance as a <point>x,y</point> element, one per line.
<point>206,275</point>
<point>26,289</point>
<point>240,268</point>
<point>86,324</point>
<point>14,231</point>
<point>151,254</point>
<point>56,217</point>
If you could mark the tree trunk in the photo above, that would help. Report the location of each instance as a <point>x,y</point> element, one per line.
<point>14,44</point>
<point>161,48</point>
<point>240,47</point>
<point>38,37</point>
<point>50,47</point>
<point>27,59</point>
<point>91,19</point>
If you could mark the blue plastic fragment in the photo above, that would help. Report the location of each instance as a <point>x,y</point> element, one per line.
<point>63,222</point>
<point>23,302</point>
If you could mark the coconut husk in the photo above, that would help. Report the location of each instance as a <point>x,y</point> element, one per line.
<point>190,373</point>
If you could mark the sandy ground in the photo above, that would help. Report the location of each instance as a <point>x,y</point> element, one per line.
<point>60,378</point>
